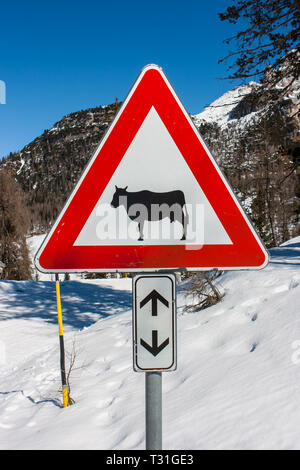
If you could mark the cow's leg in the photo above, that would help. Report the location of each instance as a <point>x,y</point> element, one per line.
<point>141,228</point>
<point>183,221</point>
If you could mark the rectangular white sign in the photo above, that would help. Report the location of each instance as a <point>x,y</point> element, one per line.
<point>154,322</point>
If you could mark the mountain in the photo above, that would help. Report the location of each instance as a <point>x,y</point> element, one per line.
<point>223,110</point>
<point>255,141</point>
<point>48,167</point>
<point>254,137</point>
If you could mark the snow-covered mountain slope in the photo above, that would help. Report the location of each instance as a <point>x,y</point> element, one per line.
<point>236,386</point>
<point>219,111</point>
<point>225,109</point>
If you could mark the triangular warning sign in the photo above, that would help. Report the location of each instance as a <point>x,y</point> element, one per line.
<point>151,198</point>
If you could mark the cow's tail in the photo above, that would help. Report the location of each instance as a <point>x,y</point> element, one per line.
<point>185,220</point>
<point>186,214</point>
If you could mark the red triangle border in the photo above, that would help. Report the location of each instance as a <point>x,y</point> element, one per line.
<point>57,253</point>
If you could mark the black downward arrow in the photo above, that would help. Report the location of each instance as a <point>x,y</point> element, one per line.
<point>154,296</point>
<point>154,349</point>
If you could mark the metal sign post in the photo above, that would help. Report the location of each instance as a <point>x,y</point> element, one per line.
<point>153,395</point>
<point>154,343</point>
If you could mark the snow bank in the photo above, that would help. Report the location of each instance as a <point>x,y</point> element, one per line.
<point>236,386</point>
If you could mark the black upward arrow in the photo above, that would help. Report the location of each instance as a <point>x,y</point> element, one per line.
<point>154,296</point>
<point>154,349</point>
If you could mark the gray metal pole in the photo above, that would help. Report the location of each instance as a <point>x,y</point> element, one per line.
<point>153,385</point>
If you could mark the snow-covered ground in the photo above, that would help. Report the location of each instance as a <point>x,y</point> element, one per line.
<point>237,385</point>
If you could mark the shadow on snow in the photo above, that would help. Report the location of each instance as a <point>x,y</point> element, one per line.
<point>82,303</point>
<point>286,254</point>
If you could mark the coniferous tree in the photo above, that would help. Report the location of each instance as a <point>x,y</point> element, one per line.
<point>13,227</point>
<point>268,47</point>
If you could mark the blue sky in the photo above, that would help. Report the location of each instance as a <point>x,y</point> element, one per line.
<point>60,57</point>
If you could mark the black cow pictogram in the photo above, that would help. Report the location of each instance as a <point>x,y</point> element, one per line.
<point>151,206</point>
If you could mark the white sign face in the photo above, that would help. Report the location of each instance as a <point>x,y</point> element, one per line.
<point>154,322</point>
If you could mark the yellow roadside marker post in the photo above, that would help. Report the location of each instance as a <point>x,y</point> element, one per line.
<point>62,347</point>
